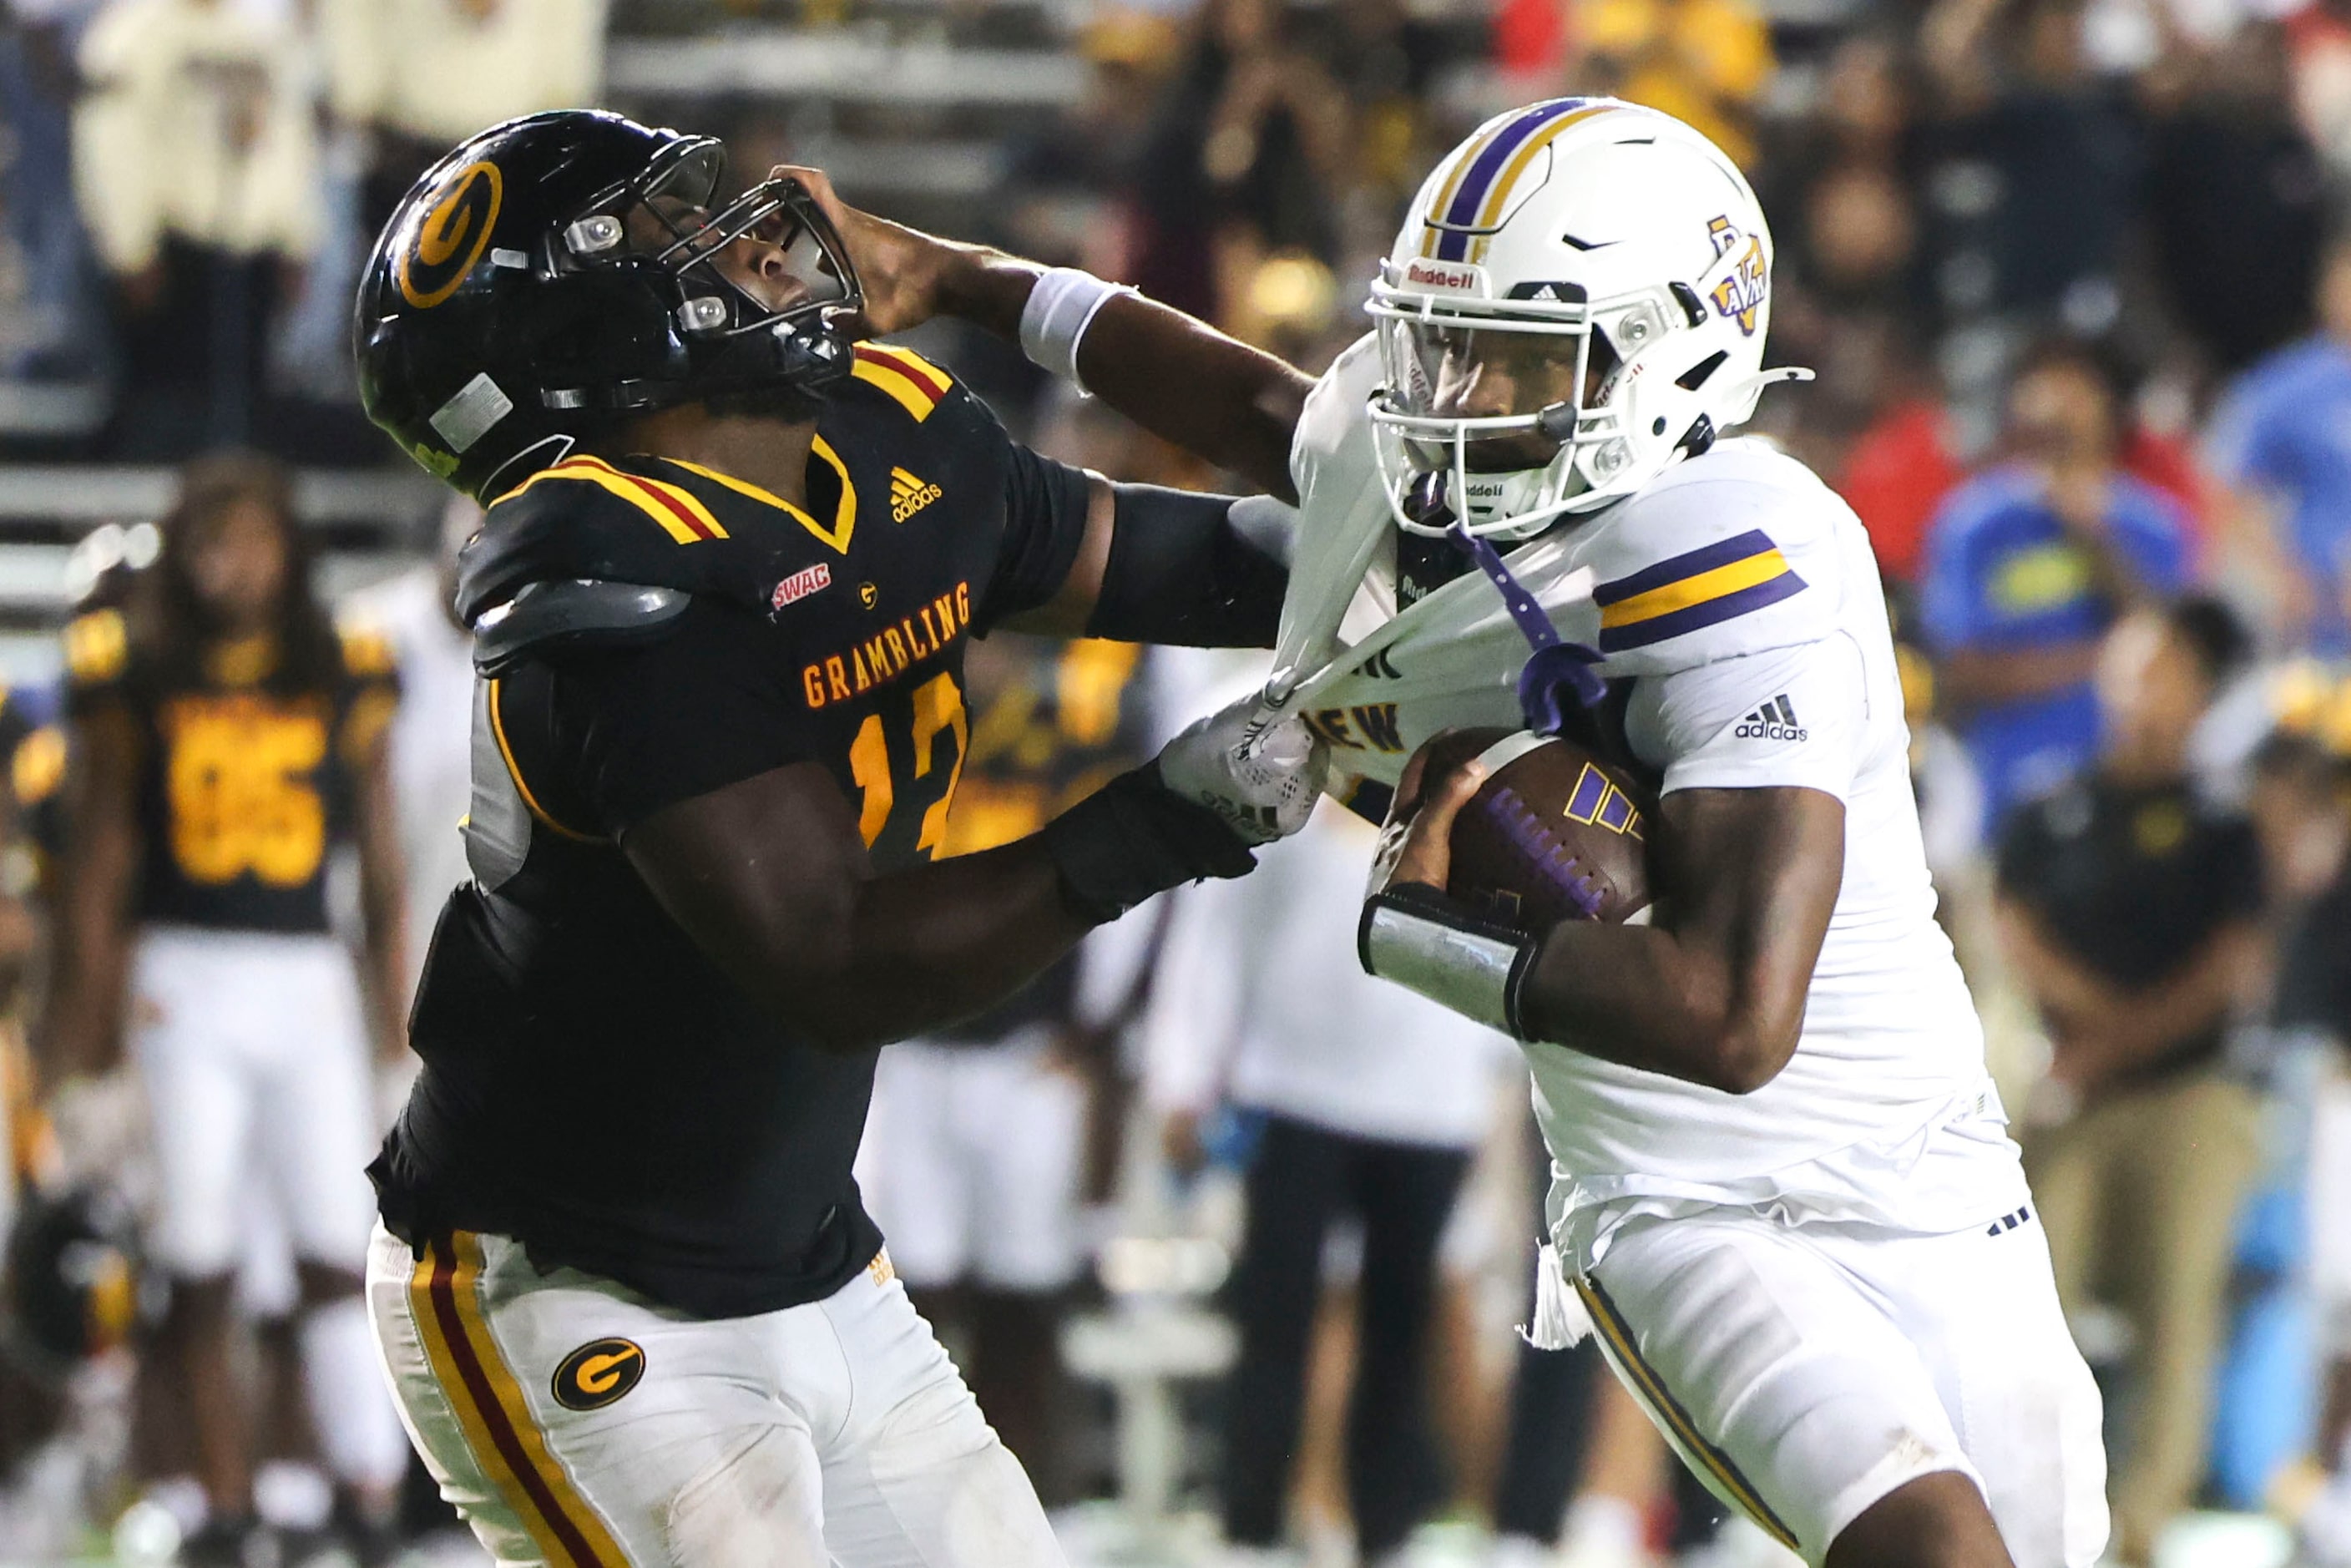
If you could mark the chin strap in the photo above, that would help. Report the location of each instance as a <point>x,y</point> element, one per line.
<point>1559,671</point>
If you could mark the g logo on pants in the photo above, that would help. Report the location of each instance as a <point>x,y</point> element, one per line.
<point>598,1373</point>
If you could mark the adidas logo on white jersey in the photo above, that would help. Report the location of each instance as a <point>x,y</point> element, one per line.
<point>1775,720</point>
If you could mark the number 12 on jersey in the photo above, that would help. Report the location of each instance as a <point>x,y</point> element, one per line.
<point>937,709</point>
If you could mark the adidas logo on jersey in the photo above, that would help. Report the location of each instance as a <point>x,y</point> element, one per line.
<point>1775,720</point>
<point>909,494</point>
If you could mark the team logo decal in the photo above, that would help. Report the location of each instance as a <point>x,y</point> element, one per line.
<point>1740,295</point>
<point>599,1373</point>
<point>801,584</point>
<point>453,236</point>
<point>1596,802</point>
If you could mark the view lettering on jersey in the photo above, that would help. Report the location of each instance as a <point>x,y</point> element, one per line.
<point>881,658</point>
<point>1377,721</point>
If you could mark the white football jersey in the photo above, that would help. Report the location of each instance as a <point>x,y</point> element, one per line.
<point>1739,596</point>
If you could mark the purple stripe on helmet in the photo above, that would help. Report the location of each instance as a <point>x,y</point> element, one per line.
<point>1471,194</point>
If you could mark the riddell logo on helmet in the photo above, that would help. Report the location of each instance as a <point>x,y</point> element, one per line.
<point>1436,275</point>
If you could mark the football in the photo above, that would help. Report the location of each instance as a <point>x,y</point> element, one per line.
<point>1555,833</point>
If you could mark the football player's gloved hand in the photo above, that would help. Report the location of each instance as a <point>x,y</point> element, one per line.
<point>1415,933</point>
<point>1261,775</point>
<point>1229,783</point>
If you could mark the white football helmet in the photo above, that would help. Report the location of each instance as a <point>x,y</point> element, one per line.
<point>1578,297</point>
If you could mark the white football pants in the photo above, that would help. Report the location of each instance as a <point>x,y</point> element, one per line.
<point>577,1426</point>
<point>1804,1371</point>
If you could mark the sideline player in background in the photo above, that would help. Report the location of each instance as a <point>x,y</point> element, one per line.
<point>226,739</point>
<point>630,1298</point>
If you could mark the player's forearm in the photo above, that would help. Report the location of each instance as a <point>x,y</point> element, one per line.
<point>1639,996</point>
<point>943,943</point>
<point>1175,376</point>
<point>2145,1025</point>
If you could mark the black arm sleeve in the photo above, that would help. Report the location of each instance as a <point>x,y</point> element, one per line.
<point>1044,524</point>
<point>1181,572</point>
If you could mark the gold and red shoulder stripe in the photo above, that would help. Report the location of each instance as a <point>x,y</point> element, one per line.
<point>675,508</point>
<point>916,383</point>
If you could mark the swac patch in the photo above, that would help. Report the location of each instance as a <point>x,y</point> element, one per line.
<point>801,584</point>
<point>598,1373</point>
<point>453,236</point>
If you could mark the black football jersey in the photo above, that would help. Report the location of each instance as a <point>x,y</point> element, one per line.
<point>593,1086</point>
<point>243,790</point>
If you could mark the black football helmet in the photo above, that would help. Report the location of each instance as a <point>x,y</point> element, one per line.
<point>556,273</point>
<point>72,1270</point>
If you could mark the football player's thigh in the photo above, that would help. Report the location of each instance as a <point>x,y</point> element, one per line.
<point>1790,1391</point>
<point>316,1128</point>
<point>916,1478</point>
<point>910,1167</point>
<point>200,1107</point>
<point>574,1425</point>
<point>1983,1309</point>
<point>1025,1237</point>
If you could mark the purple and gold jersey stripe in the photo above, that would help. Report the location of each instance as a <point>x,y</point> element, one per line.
<point>1704,587</point>
<point>1471,203</point>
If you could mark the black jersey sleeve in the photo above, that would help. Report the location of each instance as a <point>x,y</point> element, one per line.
<point>1044,523</point>
<point>639,728</point>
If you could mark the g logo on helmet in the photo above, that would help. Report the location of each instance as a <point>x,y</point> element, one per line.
<point>453,236</point>
<point>598,1373</point>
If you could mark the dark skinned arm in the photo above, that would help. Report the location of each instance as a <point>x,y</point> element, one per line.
<point>769,878</point>
<point>1712,991</point>
<point>2100,1030</point>
<point>82,1031</point>
<point>1176,377</point>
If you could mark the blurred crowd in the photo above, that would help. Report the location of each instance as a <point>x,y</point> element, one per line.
<point>2076,276</point>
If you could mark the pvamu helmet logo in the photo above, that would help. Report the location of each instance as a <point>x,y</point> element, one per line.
<point>598,1373</point>
<point>453,236</point>
<point>1740,295</point>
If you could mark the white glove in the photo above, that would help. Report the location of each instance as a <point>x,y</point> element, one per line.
<point>1261,775</point>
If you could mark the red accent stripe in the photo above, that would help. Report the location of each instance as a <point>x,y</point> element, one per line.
<point>911,369</point>
<point>478,1386</point>
<point>669,502</point>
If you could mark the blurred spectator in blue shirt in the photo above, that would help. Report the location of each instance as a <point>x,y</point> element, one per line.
<point>2028,565</point>
<point>2282,442</point>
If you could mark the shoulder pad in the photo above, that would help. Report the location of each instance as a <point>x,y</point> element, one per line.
<point>97,647</point>
<point>553,617</point>
<point>586,518</point>
<point>1737,552</point>
<point>907,379</point>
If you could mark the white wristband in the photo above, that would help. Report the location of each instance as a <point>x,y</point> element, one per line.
<point>1060,308</point>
